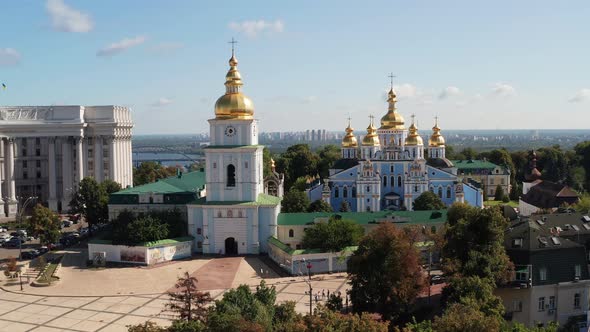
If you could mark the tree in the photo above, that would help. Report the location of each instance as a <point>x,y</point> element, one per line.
<point>334,302</point>
<point>385,273</point>
<point>320,206</point>
<point>583,205</point>
<point>187,301</point>
<point>332,235</point>
<point>148,326</point>
<point>476,292</point>
<point>295,201</point>
<point>552,163</point>
<point>328,320</point>
<point>583,154</point>
<point>344,207</point>
<point>44,224</point>
<point>465,318</point>
<point>109,186</point>
<point>145,229</point>
<point>327,156</point>
<point>428,201</point>
<point>499,194</point>
<point>296,162</point>
<point>150,171</point>
<point>474,244</point>
<point>91,200</point>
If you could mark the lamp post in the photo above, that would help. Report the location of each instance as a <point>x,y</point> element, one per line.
<point>22,210</point>
<point>310,289</point>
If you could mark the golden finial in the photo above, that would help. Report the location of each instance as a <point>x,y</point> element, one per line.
<point>272,164</point>
<point>233,61</point>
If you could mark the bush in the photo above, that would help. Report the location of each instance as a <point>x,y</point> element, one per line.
<point>146,229</point>
<point>152,226</point>
<point>505,199</point>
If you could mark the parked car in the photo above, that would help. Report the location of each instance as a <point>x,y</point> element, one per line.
<point>43,249</point>
<point>437,279</point>
<point>12,243</point>
<point>30,254</point>
<point>3,229</point>
<point>5,239</point>
<point>67,223</point>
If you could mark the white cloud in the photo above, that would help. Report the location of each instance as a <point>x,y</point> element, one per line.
<point>582,95</point>
<point>9,57</point>
<point>67,19</point>
<point>167,47</point>
<point>162,102</point>
<point>406,90</point>
<point>253,28</point>
<point>448,92</point>
<point>503,90</point>
<point>121,46</point>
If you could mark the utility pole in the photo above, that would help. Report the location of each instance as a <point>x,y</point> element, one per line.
<point>310,289</point>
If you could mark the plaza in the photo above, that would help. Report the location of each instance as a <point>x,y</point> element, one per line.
<point>109,299</point>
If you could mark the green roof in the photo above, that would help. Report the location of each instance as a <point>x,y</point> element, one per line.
<point>148,244</point>
<point>187,182</point>
<point>473,164</point>
<point>364,218</point>
<point>274,241</point>
<point>263,199</point>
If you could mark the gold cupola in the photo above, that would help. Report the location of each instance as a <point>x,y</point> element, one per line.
<point>414,138</point>
<point>392,120</point>
<point>234,104</point>
<point>371,139</point>
<point>436,139</point>
<point>349,140</point>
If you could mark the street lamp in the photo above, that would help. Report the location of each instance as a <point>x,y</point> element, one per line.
<point>310,288</point>
<point>22,210</point>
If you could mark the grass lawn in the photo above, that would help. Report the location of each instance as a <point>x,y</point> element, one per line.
<point>494,203</point>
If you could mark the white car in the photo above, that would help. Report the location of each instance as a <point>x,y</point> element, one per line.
<point>3,229</point>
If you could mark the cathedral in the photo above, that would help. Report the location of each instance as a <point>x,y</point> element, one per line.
<point>392,167</point>
<point>239,212</point>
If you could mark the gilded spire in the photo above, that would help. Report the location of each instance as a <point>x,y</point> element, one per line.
<point>349,139</point>
<point>414,138</point>
<point>436,139</point>
<point>371,139</point>
<point>392,120</point>
<point>234,104</point>
<point>272,164</point>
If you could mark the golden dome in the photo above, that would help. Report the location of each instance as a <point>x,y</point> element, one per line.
<point>349,140</point>
<point>233,104</point>
<point>392,120</point>
<point>371,139</point>
<point>436,139</point>
<point>414,138</point>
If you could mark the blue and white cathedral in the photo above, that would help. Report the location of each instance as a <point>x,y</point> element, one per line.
<point>391,168</point>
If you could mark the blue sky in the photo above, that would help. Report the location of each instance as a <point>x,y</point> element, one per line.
<point>305,64</point>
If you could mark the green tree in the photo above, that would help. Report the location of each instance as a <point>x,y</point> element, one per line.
<point>296,162</point>
<point>187,301</point>
<point>150,171</point>
<point>344,207</point>
<point>328,320</point>
<point>583,205</point>
<point>91,201</point>
<point>320,206</point>
<point>145,229</point>
<point>44,224</point>
<point>474,243</point>
<point>328,154</point>
<point>148,326</point>
<point>460,317</point>
<point>295,201</point>
<point>109,186</point>
<point>266,157</point>
<point>385,273</point>
<point>474,291</point>
<point>428,201</point>
<point>582,151</point>
<point>332,235</point>
<point>552,163</point>
<point>334,302</point>
<point>499,194</point>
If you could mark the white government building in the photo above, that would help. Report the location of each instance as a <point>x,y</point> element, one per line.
<point>47,150</point>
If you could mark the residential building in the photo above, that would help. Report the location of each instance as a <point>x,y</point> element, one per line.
<point>487,173</point>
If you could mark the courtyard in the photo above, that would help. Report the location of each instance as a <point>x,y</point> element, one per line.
<point>109,299</point>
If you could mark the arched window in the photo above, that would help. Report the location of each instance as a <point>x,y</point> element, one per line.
<point>231,175</point>
<point>353,191</point>
<point>368,209</point>
<point>392,181</point>
<point>399,180</point>
<point>368,188</point>
<point>336,192</point>
<point>384,180</point>
<point>230,213</point>
<point>415,188</point>
<point>440,192</point>
<point>291,233</point>
<point>448,192</point>
<point>345,192</point>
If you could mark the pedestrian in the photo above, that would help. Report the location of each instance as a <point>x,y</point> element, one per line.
<point>328,293</point>
<point>323,294</point>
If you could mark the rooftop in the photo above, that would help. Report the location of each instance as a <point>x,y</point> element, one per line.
<point>364,218</point>
<point>473,164</point>
<point>263,199</point>
<point>185,182</point>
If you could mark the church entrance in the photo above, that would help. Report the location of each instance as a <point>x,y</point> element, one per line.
<point>231,246</point>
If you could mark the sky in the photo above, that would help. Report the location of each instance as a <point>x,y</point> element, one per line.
<point>305,64</point>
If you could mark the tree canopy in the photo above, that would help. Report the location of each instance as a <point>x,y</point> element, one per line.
<point>428,201</point>
<point>385,273</point>
<point>150,171</point>
<point>332,235</point>
<point>295,201</point>
<point>319,206</point>
<point>44,224</point>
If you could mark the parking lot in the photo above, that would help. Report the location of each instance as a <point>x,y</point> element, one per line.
<point>6,253</point>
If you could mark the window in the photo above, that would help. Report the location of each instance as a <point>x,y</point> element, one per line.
<point>25,175</point>
<point>541,306</point>
<point>577,271</point>
<point>24,152</point>
<point>448,192</point>
<point>336,192</point>
<point>385,181</point>
<point>368,209</point>
<point>24,164</point>
<point>38,163</point>
<point>214,165</point>
<point>440,192</point>
<point>368,189</point>
<point>345,192</point>
<point>577,301</point>
<point>552,302</point>
<point>416,189</point>
<point>543,274</point>
<point>199,231</point>
<point>399,180</point>
<point>517,243</point>
<point>353,191</point>
<point>503,181</point>
<point>230,213</point>
<point>391,168</point>
<point>516,305</point>
<point>231,175</point>
<point>246,164</point>
<point>218,214</point>
<point>491,180</point>
<point>240,214</point>
<point>37,152</point>
<point>291,233</point>
<point>37,140</point>
<point>38,174</point>
<point>199,244</point>
<point>522,274</point>
<point>392,180</point>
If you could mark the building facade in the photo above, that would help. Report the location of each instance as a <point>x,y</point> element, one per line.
<point>47,150</point>
<point>236,216</point>
<point>392,167</point>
